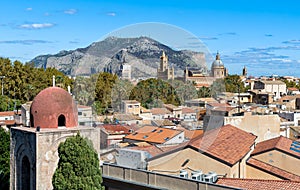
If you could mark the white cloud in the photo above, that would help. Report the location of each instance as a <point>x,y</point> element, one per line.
<point>36,25</point>
<point>70,11</point>
<point>25,42</point>
<point>28,9</point>
<point>111,14</point>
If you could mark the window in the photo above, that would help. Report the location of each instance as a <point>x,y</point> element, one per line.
<point>61,121</point>
<point>79,113</point>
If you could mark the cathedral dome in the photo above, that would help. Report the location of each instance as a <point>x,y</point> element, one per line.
<point>53,107</point>
<point>217,62</point>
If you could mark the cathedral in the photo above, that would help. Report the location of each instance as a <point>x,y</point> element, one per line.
<point>164,72</point>
<point>200,79</point>
<point>218,69</point>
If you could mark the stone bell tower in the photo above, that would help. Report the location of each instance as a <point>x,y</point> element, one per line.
<point>33,150</point>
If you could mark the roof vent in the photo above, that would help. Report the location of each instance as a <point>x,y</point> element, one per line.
<point>183,174</point>
<point>211,177</point>
<point>198,175</point>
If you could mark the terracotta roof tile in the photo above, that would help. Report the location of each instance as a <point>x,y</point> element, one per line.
<point>191,134</point>
<point>273,170</point>
<point>153,150</point>
<point>187,110</point>
<point>153,134</point>
<point>227,143</point>
<point>127,117</point>
<point>293,89</point>
<point>7,113</point>
<point>7,122</point>
<point>164,122</point>
<point>116,129</point>
<point>254,184</point>
<point>279,143</point>
<point>160,111</point>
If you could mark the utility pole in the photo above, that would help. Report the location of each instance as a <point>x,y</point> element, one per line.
<point>2,77</point>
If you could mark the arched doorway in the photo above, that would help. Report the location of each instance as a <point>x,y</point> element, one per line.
<point>61,121</point>
<point>25,174</point>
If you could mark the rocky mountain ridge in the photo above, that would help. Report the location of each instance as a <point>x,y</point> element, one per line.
<point>142,53</point>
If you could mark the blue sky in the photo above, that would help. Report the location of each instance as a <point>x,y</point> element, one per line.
<point>262,35</point>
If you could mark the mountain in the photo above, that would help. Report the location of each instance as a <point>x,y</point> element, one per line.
<point>142,53</point>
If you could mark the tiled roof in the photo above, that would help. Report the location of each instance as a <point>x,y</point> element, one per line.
<point>116,129</point>
<point>83,107</point>
<point>171,107</point>
<point>227,143</point>
<point>160,111</point>
<point>153,134</point>
<point>254,184</point>
<point>279,143</point>
<point>223,108</point>
<point>289,97</point>
<point>293,89</point>
<point>164,122</point>
<point>127,117</point>
<point>7,122</point>
<point>187,110</point>
<point>7,113</point>
<point>273,170</point>
<point>213,104</point>
<point>190,134</point>
<point>144,110</point>
<point>153,150</point>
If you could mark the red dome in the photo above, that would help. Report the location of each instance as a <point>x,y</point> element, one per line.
<point>52,108</point>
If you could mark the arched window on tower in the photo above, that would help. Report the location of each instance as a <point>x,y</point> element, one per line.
<point>61,121</point>
<point>25,174</point>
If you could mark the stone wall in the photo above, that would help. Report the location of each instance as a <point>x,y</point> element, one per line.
<point>41,149</point>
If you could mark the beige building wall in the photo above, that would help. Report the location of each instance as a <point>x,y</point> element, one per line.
<point>263,126</point>
<point>172,164</point>
<point>132,107</point>
<point>253,173</point>
<point>280,160</point>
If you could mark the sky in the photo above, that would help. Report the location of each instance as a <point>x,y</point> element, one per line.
<point>264,35</point>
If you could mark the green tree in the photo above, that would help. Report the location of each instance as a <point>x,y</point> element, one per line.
<point>78,166</point>
<point>217,87</point>
<point>120,91</point>
<point>184,90</point>
<point>104,86</point>
<point>4,159</point>
<point>233,83</point>
<point>204,92</point>
<point>152,91</point>
<point>23,81</point>
<point>290,84</point>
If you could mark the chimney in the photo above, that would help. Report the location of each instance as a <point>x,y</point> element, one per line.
<point>53,80</point>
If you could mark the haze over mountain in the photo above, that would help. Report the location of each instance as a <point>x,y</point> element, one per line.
<point>142,53</point>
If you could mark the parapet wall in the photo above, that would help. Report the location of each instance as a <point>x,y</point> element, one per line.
<point>151,179</point>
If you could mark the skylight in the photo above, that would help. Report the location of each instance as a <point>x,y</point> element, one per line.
<point>295,146</point>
